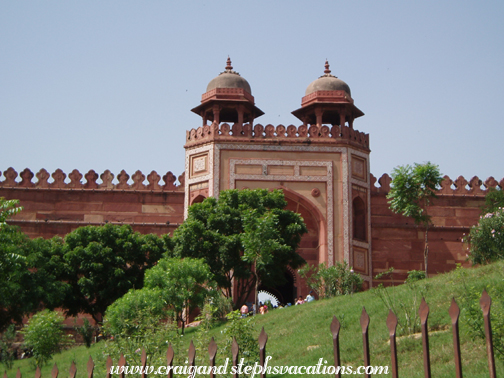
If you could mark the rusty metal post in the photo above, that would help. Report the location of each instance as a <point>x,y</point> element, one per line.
<point>424,314</point>
<point>18,373</point>
<point>108,366</point>
<point>192,353</point>
<point>392,327</point>
<point>485,304</point>
<point>263,338</point>
<point>143,361</point>
<point>235,349</point>
<point>212,351</point>
<point>454,315</point>
<point>364,322</point>
<point>335,328</point>
<point>54,371</point>
<point>73,370</point>
<point>169,360</point>
<point>122,363</point>
<point>90,368</point>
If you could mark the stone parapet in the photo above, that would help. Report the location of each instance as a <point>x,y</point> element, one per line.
<point>460,186</point>
<point>303,134</point>
<point>60,206</point>
<point>398,242</point>
<point>10,180</point>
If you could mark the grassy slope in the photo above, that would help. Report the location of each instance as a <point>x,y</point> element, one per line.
<point>300,335</point>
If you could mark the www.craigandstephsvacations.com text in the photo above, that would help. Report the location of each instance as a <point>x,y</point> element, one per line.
<point>321,368</point>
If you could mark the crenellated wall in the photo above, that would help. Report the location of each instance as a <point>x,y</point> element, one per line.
<point>58,207</point>
<point>397,242</point>
<point>290,133</point>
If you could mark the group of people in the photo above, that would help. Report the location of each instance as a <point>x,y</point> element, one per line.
<point>263,309</point>
<point>245,310</point>
<point>309,298</point>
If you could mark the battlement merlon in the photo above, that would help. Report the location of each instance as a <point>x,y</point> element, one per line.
<point>335,134</point>
<point>91,183</point>
<point>458,187</point>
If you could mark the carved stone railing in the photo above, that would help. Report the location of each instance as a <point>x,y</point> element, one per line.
<point>449,187</point>
<point>290,133</point>
<point>91,177</point>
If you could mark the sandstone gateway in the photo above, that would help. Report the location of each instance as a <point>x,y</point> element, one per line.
<point>321,165</point>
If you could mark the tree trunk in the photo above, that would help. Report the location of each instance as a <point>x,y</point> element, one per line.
<point>256,286</point>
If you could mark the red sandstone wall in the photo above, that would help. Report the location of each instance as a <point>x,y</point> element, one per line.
<point>397,242</point>
<point>59,207</point>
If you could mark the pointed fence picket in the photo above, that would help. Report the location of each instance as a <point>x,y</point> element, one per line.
<point>335,326</point>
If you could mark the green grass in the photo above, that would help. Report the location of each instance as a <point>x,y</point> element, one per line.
<point>300,335</point>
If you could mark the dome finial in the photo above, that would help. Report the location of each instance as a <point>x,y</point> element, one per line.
<point>327,71</point>
<point>229,67</point>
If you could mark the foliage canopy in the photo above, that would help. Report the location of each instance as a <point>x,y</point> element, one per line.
<point>220,230</point>
<point>486,239</point>
<point>101,263</point>
<point>411,192</point>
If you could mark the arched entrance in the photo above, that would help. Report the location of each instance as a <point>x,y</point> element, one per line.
<point>285,292</point>
<point>313,246</point>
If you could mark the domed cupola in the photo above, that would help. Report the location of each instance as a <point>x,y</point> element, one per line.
<point>327,100</point>
<point>327,82</point>
<point>228,98</point>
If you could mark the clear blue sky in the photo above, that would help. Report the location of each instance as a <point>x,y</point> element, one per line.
<point>110,84</point>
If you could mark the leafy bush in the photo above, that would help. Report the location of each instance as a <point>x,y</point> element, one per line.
<point>471,314</point>
<point>331,281</point>
<point>86,331</point>
<point>486,239</point>
<point>44,335</point>
<point>241,330</point>
<point>415,275</point>
<point>134,313</point>
<point>153,336</point>
<point>7,348</point>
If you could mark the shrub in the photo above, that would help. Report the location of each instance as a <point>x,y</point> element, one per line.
<point>86,331</point>
<point>331,281</point>
<point>415,275</point>
<point>471,315</point>
<point>241,330</point>
<point>7,346</point>
<point>44,335</point>
<point>134,313</point>
<point>486,239</point>
<point>140,320</point>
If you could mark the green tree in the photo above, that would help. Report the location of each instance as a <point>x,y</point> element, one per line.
<point>44,335</point>
<point>213,231</point>
<point>135,313</point>
<point>8,208</point>
<point>486,239</point>
<point>411,192</point>
<point>261,239</point>
<point>184,284</point>
<point>494,200</point>
<point>101,263</point>
<point>27,283</point>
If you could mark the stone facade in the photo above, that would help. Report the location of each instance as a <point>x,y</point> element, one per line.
<point>59,207</point>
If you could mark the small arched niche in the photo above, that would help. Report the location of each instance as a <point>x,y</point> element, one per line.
<point>359,219</point>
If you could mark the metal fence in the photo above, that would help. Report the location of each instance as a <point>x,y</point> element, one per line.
<point>454,311</point>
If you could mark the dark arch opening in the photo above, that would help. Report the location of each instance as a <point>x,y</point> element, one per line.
<point>285,292</point>
<point>359,219</point>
